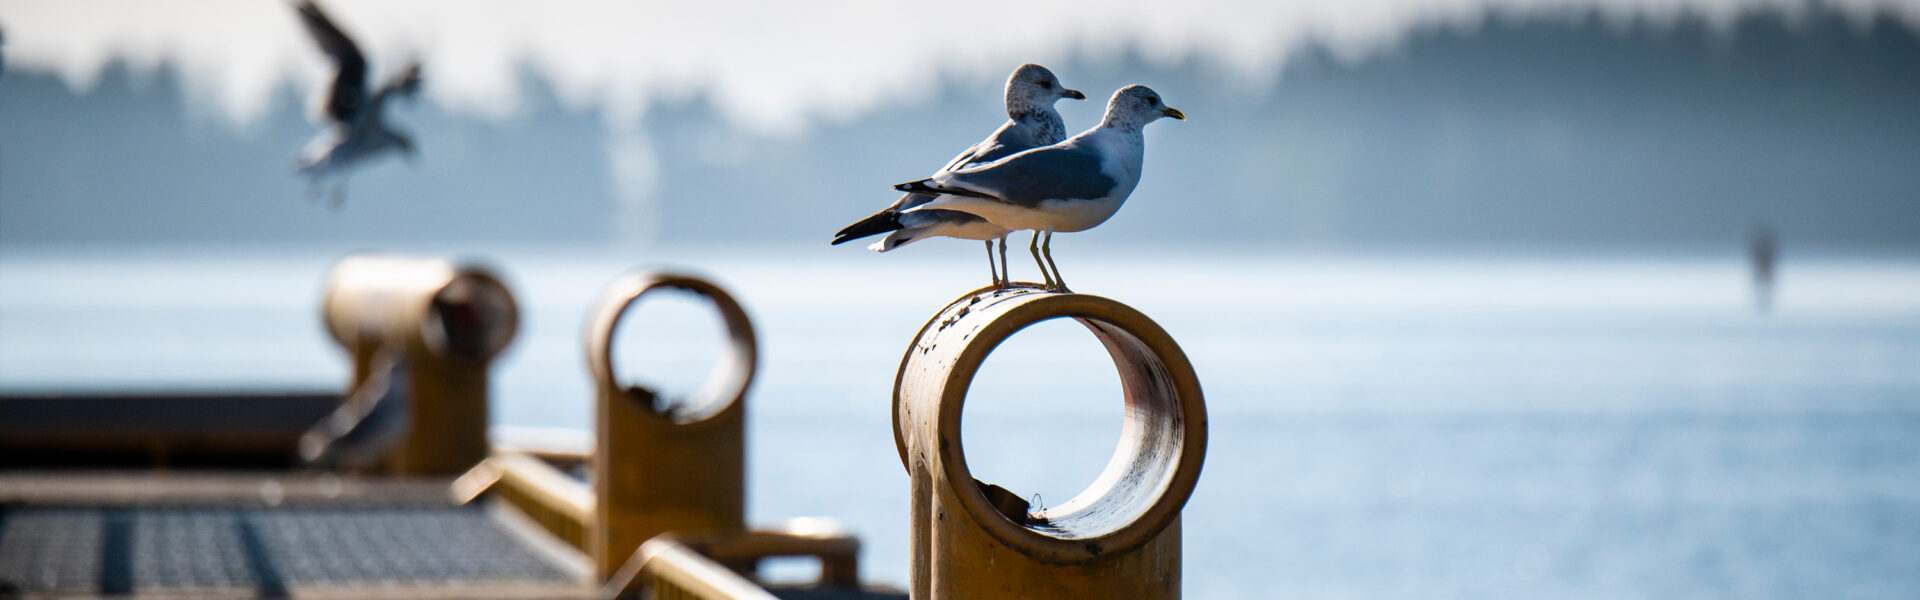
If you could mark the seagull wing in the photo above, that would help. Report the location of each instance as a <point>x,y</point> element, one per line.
<point>406,83</point>
<point>350,83</point>
<point>1004,142</point>
<point>1010,138</point>
<point>1058,172</point>
<point>888,219</point>
<point>967,156</point>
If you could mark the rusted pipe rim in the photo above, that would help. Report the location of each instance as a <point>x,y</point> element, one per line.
<point>1163,434</point>
<point>724,388</point>
<point>899,441</point>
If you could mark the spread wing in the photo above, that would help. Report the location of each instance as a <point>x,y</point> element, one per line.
<point>350,83</point>
<point>406,83</point>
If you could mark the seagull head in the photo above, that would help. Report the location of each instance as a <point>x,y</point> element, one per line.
<point>1032,86</point>
<point>1137,105</point>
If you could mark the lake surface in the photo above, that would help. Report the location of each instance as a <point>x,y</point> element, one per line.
<point>1466,426</point>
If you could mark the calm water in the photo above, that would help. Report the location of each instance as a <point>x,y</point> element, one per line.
<point>1397,426</point>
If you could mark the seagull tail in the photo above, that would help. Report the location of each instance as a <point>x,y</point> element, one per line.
<point>881,222</point>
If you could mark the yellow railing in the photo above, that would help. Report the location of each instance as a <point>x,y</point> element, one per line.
<point>663,568</point>
<point>560,504</point>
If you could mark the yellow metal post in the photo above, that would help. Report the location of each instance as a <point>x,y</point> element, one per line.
<point>447,322</point>
<point>656,472</point>
<point>1120,538</point>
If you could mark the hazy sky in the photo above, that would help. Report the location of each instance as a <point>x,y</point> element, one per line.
<point>769,65</point>
<point>1391,120</point>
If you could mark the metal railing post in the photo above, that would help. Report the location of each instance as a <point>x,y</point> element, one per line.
<point>656,472</point>
<point>447,322</point>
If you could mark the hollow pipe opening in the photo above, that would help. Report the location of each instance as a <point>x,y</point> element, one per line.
<point>472,317</point>
<point>1163,435</point>
<point>724,386</point>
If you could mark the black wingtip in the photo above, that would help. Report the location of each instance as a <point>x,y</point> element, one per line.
<point>918,187</point>
<point>880,222</point>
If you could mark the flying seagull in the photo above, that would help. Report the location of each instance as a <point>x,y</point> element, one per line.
<point>1032,122</point>
<point>358,132</point>
<point>1071,186</point>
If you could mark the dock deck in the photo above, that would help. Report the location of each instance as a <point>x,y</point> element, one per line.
<point>240,534</point>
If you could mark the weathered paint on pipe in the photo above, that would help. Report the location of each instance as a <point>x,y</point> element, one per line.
<point>1120,538</point>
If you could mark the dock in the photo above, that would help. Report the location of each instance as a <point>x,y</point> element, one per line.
<point>390,488</point>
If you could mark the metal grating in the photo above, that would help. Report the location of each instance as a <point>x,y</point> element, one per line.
<point>111,550</point>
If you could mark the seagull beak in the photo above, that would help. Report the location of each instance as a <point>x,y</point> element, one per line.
<point>1074,94</point>
<point>1175,113</point>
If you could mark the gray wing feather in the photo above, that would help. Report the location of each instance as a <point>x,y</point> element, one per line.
<point>1049,173</point>
<point>966,157</point>
<point>1005,141</point>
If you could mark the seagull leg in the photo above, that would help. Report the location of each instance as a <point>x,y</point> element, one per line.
<point>1059,283</point>
<point>1034,247</point>
<point>1006,277</point>
<point>996,274</point>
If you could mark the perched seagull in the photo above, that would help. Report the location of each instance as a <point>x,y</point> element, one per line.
<point>1032,122</point>
<point>358,132</point>
<point>1071,186</point>
<point>375,417</point>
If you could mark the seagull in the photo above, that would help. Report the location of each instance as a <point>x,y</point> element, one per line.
<point>376,416</point>
<point>1071,186</point>
<point>358,133</point>
<point>1032,122</point>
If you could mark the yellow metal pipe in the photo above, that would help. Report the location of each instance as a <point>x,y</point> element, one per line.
<point>656,472</point>
<point>838,552</point>
<point>448,322</point>
<point>1120,538</point>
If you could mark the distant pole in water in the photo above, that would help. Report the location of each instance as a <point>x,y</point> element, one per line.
<point>1763,252</point>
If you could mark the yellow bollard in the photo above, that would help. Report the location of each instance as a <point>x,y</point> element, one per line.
<point>654,472</point>
<point>447,322</point>
<point>1120,538</point>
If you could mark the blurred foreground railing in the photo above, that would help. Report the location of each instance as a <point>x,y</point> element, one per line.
<point>669,570</point>
<point>666,505</point>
